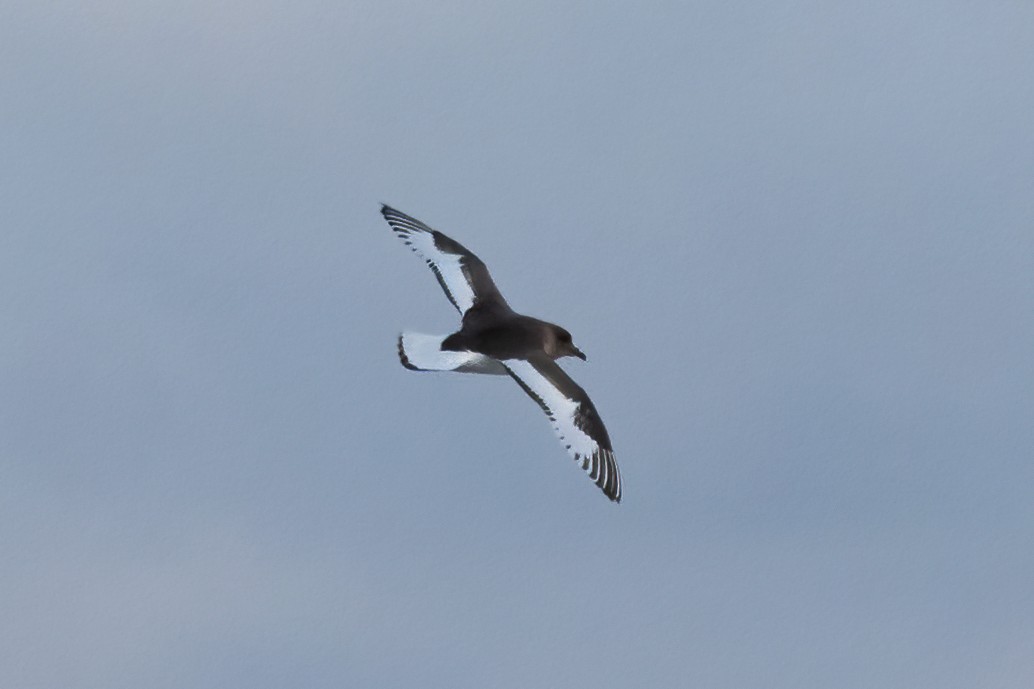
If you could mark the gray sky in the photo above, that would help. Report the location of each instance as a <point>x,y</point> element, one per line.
<point>796,241</point>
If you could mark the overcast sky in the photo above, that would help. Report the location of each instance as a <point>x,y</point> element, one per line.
<point>795,240</point>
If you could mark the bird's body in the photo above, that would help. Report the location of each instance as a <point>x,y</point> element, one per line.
<point>507,337</point>
<point>494,339</point>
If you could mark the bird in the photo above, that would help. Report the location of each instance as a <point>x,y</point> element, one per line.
<point>495,340</point>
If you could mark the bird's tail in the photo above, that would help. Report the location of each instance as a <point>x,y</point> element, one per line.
<point>420,352</point>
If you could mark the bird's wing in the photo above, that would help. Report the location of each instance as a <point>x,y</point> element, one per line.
<point>574,417</point>
<point>461,274</point>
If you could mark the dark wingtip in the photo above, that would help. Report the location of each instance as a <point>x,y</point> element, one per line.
<point>612,486</point>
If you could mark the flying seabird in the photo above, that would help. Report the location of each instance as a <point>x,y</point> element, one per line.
<point>494,339</point>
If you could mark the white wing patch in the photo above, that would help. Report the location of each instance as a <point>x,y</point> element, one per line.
<point>564,413</point>
<point>447,267</point>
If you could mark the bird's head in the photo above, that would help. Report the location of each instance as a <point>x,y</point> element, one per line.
<point>564,345</point>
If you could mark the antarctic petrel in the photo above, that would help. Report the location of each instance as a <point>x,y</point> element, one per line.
<point>494,339</point>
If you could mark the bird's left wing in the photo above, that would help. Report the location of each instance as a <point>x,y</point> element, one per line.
<point>574,417</point>
<point>462,275</point>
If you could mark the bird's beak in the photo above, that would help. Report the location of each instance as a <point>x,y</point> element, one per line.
<point>578,353</point>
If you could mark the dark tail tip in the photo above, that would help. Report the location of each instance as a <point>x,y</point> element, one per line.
<point>403,358</point>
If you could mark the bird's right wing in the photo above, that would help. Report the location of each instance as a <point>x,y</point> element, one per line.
<point>574,417</point>
<point>462,275</point>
